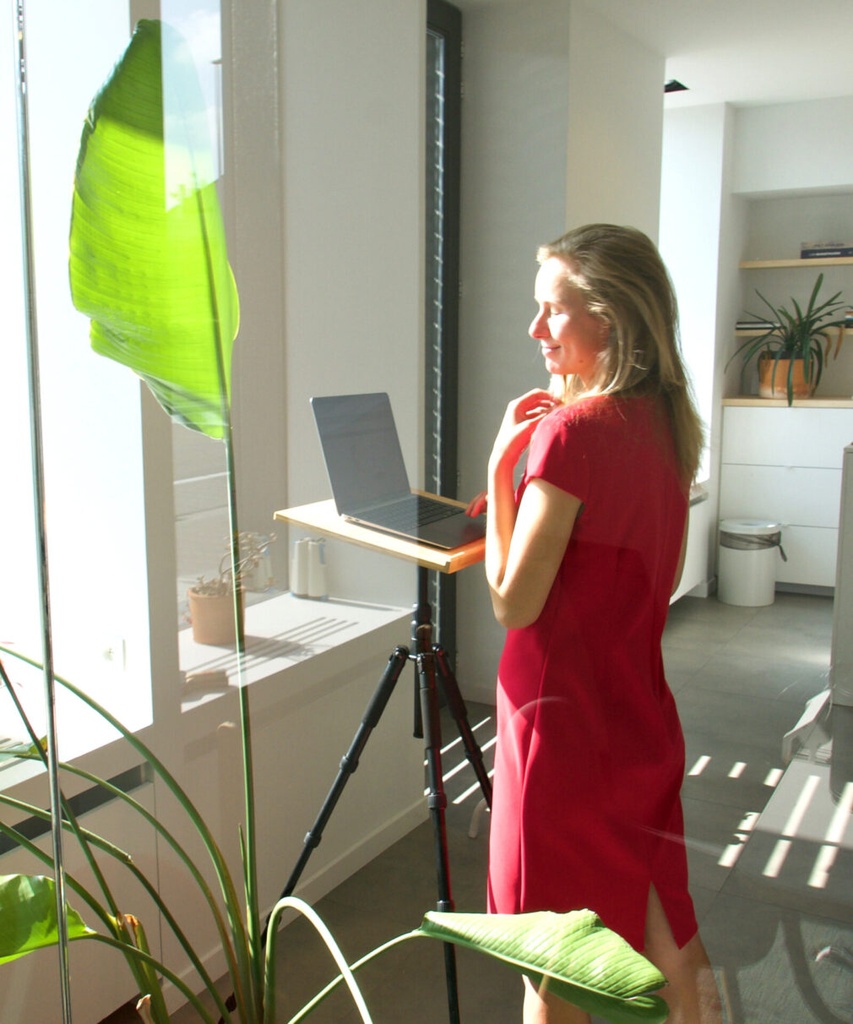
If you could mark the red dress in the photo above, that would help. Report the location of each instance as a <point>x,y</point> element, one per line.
<point>590,754</point>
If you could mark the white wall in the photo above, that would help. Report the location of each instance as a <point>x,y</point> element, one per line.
<point>691,185</point>
<point>694,199</point>
<point>514,124</point>
<point>614,126</point>
<point>544,110</point>
<point>514,145</point>
<point>794,146</point>
<point>352,109</point>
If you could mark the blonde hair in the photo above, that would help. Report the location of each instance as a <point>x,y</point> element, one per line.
<point>624,281</point>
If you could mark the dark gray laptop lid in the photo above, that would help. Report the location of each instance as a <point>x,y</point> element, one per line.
<point>361,450</point>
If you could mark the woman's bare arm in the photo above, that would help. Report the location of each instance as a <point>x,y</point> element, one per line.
<point>520,582</point>
<point>524,545</point>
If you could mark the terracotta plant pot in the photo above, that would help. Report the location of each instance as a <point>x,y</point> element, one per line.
<point>773,379</point>
<point>212,618</point>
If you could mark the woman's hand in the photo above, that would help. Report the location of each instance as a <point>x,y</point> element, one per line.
<point>516,429</point>
<point>477,505</point>
<point>520,420</point>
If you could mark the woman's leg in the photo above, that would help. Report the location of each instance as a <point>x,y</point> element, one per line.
<point>692,991</point>
<point>691,994</point>
<point>540,1007</point>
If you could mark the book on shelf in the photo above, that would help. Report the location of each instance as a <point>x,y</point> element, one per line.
<point>825,250</point>
<point>756,325</point>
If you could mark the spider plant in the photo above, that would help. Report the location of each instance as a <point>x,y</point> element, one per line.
<point>149,267</point>
<point>795,335</point>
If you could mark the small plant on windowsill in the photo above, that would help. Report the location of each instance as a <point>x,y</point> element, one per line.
<point>214,602</point>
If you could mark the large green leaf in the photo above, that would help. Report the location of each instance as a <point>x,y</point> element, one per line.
<point>28,916</point>
<point>580,960</point>
<point>148,261</point>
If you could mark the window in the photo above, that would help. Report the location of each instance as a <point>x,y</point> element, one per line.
<point>90,407</point>
<point>444,58</point>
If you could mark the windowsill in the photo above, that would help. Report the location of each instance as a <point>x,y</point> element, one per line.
<point>81,730</point>
<point>307,639</point>
<point>282,633</point>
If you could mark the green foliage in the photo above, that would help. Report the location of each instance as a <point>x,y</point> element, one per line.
<point>28,916</point>
<point>148,259</point>
<point>573,954</point>
<point>796,334</point>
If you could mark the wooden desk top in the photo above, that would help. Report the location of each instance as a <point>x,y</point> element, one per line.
<point>322,516</point>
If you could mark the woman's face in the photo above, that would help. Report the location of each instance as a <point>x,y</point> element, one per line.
<point>570,338</point>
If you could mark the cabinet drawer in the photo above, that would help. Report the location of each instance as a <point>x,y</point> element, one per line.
<point>801,497</point>
<point>786,437</point>
<point>811,556</point>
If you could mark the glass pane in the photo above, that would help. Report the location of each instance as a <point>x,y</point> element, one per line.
<point>92,443</point>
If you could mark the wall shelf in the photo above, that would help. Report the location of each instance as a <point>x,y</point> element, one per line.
<point>831,402</point>
<point>758,333</point>
<point>837,261</point>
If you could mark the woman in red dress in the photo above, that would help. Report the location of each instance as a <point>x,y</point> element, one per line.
<point>581,561</point>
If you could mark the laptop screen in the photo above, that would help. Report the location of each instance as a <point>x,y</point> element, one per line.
<point>361,450</point>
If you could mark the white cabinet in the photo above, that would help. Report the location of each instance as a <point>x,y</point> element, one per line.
<point>785,464</point>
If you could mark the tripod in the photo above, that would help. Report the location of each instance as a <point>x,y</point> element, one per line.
<point>432,669</point>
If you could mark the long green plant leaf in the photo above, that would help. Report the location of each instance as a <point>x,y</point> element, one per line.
<point>578,958</point>
<point>573,954</point>
<point>28,916</point>
<point>148,261</point>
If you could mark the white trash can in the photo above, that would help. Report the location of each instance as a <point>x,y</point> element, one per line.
<point>746,573</point>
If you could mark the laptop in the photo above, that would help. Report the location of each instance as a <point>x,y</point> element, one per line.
<point>370,486</point>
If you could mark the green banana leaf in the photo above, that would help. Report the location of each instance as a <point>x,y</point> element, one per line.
<point>28,916</point>
<point>148,261</point>
<point>574,954</point>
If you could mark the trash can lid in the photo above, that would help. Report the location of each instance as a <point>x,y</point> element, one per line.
<point>751,527</point>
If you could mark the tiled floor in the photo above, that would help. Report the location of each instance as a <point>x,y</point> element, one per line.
<point>769,840</point>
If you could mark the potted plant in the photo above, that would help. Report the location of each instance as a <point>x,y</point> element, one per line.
<point>793,350</point>
<point>214,603</point>
<point>179,263</point>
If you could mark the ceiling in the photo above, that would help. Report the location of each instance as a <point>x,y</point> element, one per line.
<point>744,51</point>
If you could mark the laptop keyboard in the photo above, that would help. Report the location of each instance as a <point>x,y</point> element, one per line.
<point>408,515</point>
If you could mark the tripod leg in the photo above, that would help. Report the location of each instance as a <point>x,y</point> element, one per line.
<point>437,803</point>
<point>456,704</point>
<point>349,762</point>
